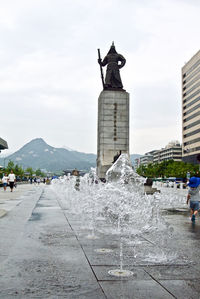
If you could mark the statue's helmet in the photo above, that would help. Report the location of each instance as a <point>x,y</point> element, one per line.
<point>112,49</point>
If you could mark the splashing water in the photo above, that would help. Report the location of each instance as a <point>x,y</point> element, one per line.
<point>117,207</point>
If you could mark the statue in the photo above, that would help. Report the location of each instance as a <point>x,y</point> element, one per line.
<point>113,79</point>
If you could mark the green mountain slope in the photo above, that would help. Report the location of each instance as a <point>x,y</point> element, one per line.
<point>38,154</point>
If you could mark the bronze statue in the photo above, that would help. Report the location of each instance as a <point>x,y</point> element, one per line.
<point>113,79</point>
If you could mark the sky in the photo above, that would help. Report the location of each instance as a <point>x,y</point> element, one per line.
<point>50,79</point>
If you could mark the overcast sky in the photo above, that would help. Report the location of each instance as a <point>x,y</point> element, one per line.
<point>49,75</point>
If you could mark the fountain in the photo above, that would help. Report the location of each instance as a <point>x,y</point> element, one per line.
<point>120,208</point>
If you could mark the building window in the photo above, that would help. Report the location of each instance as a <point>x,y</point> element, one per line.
<point>190,90</point>
<point>192,141</point>
<point>190,97</point>
<point>192,68</point>
<point>192,81</point>
<point>192,133</point>
<point>192,102</point>
<point>191,110</point>
<point>191,150</point>
<point>192,116</point>
<point>193,74</point>
<point>192,125</point>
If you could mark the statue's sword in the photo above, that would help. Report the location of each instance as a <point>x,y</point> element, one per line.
<point>101,69</point>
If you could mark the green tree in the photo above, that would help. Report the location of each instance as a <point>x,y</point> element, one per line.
<point>142,170</point>
<point>30,171</point>
<point>20,172</point>
<point>168,169</point>
<point>10,166</point>
<point>16,169</point>
<point>38,172</point>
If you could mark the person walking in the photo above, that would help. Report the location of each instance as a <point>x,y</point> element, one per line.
<point>5,181</point>
<point>193,196</point>
<point>11,180</point>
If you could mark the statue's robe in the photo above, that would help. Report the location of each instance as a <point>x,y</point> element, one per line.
<point>113,79</point>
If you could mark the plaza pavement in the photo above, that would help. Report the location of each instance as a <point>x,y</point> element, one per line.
<point>45,253</point>
<point>8,200</point>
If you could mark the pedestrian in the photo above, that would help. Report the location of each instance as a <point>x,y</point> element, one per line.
<point>11,180</point>
<point>5,181</point>
<point>193,196</point>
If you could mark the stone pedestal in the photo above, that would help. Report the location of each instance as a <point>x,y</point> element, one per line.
<point>113,128</point>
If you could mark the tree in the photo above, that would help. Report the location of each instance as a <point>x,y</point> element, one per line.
<point>142,170</point>
<point>16,169</point>
<point>168,169</point>
<point>30,171</point>
<point>10,166</point>
<point>20,172</point>
<point>38,172</point>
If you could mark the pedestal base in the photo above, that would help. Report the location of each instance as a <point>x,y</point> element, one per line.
<point>113,128</point>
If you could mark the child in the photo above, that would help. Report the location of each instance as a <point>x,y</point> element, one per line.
<point>193,196</point>
<point>5,181</point>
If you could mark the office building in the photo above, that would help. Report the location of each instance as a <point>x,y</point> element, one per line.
<point>191,109</point>
<point>172,151</point>
<point>147,158</point>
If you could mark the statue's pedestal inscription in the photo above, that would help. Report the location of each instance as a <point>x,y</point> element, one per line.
<point>113,128</point>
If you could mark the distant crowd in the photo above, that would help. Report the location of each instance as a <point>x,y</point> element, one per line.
<point>10,180</point>
<point>38,180</point>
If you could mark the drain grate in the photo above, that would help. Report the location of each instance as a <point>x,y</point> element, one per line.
<point>120,273</point>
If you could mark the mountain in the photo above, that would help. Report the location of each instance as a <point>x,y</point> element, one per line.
<point>38,154</point>
<point>68,148</point>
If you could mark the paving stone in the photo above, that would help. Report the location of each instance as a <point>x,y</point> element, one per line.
<point>183,289</point>
<point>45,253</point>
<point>141,289</point>
<point>173,272</point>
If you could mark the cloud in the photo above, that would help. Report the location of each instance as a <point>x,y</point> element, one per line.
<point>50,80</point>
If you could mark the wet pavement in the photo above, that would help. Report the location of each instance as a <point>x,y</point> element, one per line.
<point>45,252</point>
